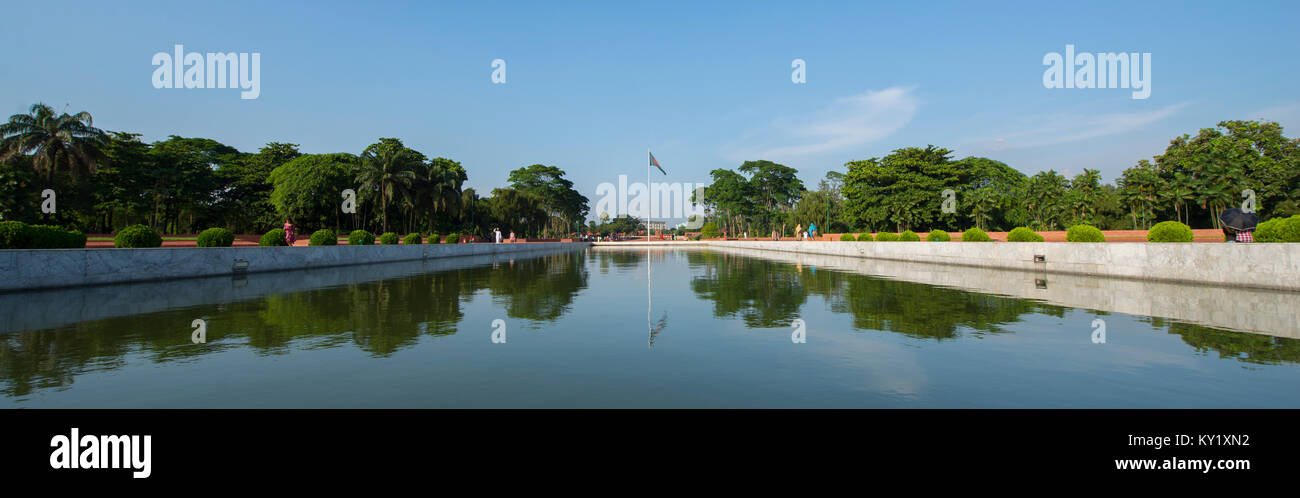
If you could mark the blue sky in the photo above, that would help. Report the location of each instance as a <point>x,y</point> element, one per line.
<point>704,85</point>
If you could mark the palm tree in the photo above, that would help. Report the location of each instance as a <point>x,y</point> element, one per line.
<point>53,141</point>
<point>981,203</point>
<point>387,167</point>
<point>443,179</point>
<point>1179,191</point>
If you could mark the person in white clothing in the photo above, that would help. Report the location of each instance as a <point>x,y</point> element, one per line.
<point>497,232</point>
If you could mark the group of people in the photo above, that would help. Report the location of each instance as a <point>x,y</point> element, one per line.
<point>496,232</point>
<point>809,234</point>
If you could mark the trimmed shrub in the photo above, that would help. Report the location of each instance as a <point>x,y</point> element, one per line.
<point>1170,231</point>
<point>51,237</point>
<point>847,237</point>
<point>324,237</point>
<point>709,231</point>
<point>388,239</point>
<point>453,238</point>
<point>76,239</point>
<point>435,238</point>
<point>136,236</point>
<point>216,237</point>
<point>275,237</point>
<point>1022,234</point>
<point>15,235</point>
<point>361,238</point>
<point>938,236</point>
<point>909,236</point>
<point>412,239</point>
<point>1279,230</point>
<point>1084,233</point>
<point>975,235</point>
<point>45,237</point>
<point>886,237</point>
<point>865,237</point>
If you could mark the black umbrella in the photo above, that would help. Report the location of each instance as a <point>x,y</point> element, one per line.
<point>1238,220</point>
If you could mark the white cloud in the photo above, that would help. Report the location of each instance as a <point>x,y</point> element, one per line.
<point>1064,128</point>
<point>848,122</point>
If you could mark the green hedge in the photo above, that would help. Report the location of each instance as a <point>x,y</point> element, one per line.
<point>19,235</point>
<point>938,236</point>
<point>412,239</point>
<point>361,238</point>
<point>216,237</point>
<point>886,237</point>
<point>388,239</point>
<point>324,237</point>
<point>909,236</point>
<point>275,237</point>
<point>1170,231</point>
<point>137,236</point>
<point>1279,230</point>
<point>1084,233</point>
<point>1023,234</point>
<point>15,235</point>
<point>975,235</point>
<point>865,237</point>
<point>435,238</point>
<point>54,237</point>
<point>453,238</point>
<point>847,237</point>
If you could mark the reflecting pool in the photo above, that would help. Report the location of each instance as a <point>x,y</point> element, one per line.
<point>644,327</point>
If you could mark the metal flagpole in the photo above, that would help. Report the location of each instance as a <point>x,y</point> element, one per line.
<point>649,327</point>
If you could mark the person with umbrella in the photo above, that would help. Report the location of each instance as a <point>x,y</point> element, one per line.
<point>1238,225</point>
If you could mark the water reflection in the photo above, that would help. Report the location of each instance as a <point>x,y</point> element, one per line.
<point>50,339</point>
<point>380,317</point>
<point>765,294</point>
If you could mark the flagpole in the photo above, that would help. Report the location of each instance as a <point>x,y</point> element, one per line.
<point>649,327</point>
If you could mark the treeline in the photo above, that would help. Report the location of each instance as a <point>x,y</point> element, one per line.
<point>107,180</point>
<point>1195,179</point>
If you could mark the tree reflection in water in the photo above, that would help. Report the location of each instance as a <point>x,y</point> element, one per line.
<point>379,317</point>
<point>766,294</point>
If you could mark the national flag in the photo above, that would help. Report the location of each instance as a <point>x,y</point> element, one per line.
<point>655,163</point>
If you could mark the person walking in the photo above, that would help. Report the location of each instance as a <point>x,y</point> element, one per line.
<point>798,230</point>
<point>290,232</point>
<point>497,233</point>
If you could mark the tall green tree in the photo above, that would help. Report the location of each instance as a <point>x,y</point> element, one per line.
<point>309,189</point>
<point>565,208</point>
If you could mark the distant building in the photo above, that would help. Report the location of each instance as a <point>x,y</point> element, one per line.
<point>657,225</point>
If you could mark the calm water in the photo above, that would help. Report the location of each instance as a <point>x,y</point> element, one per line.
<point>583,329</point>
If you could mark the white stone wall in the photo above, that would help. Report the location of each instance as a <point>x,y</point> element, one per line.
<point>25,269</point>
<point>1259,265</point>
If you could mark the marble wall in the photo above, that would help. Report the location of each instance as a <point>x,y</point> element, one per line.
<point>54,268</point>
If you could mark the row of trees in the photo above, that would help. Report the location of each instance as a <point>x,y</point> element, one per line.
<point>1195,179</point>
<point>107,180</point>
